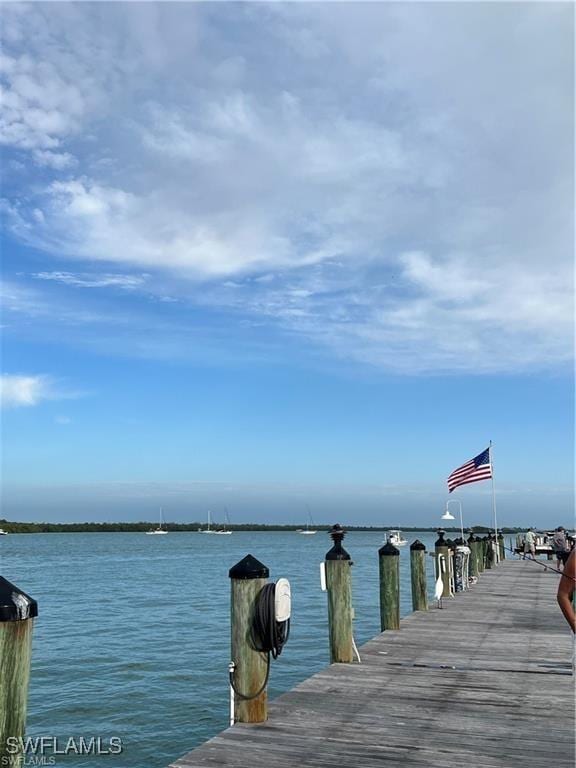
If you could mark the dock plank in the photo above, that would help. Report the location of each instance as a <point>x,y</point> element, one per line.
<point>486,681</point>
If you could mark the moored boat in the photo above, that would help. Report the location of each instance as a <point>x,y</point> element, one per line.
<point>395,537</point>
<point>158,531</point>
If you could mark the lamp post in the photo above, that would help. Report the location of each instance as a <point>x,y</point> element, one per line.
<point>449,516</point>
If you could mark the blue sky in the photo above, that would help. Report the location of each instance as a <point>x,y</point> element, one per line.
<point>269,255</point>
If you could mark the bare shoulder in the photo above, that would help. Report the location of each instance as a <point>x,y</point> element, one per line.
<point>570,567</point>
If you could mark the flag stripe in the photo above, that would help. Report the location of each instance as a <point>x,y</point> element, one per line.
<point>474,470</point>
<point>473,480</point>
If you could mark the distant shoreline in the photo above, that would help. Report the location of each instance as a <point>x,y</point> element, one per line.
<point>142,527</point>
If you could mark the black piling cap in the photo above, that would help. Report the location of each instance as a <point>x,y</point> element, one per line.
<point>459,541</point>
<point>388,550</point>
<point>417,546</point>
<point>249,568</point>
<point>440,542</point>
<point>471,538</point>
<point>15,605</point>
<point>337,552</point>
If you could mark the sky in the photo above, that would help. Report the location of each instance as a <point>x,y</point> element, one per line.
<point>264,256</point>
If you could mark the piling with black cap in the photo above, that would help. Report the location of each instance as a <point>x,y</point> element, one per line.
<point>442,549</point>
<point>17,613</point>
<point>501,547</point>
<point>481,553</point>
<point>451,564</point>
<point>389,560</point>
<point>418,576</point>
<point>473,546</point>
<point>250,666</point>
<point>339,590</point>
<point>488,552</point>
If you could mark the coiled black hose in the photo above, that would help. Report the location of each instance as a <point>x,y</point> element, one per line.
<point>267,635</point>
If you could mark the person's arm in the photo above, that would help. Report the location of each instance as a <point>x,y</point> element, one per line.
<point>566,591</point>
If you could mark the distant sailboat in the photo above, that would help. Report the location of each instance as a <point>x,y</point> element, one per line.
<point>308,531</point>
<point>226,530</point>
<point>215,531</point>
<point>158,531</point>
<point>208,528</point>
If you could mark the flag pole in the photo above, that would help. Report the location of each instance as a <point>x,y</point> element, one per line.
<point>497,549</point>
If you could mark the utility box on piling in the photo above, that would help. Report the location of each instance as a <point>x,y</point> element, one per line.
<point>17,613</point>
<point>389,560</point>
<point>247,577</point>
<point>418,576</point>
<point>339,589</point>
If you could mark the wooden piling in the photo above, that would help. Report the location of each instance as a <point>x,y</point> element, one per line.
<point>339,590</point>
<point>17,613</point>
<point>441,548</point>
<point>418,576</point>
<point>480,554</point>
<point>488,552</point>
<point>389,557</point>
<point>471,541</point>
<point>501,546</point>
<point>250,666</point>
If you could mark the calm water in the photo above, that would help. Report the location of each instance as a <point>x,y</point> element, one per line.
<point>132,638</point>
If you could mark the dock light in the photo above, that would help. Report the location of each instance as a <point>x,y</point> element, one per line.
<point>449,516</point>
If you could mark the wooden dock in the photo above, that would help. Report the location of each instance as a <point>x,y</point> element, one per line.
<point>484,682</point>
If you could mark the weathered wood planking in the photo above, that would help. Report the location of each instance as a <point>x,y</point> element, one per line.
<point>504,699</point>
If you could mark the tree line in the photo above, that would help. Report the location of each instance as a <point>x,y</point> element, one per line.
<point>142,526</point>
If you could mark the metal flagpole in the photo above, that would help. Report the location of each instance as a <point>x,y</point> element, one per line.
<point>496,548</point>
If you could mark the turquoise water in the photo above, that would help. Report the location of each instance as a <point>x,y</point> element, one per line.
<point>132,638</point>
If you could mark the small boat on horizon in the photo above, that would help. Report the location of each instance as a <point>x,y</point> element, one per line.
<point>395,537</point>
<point>216,531</point>
<point>158,531</point>
<point>225,531</point>
<point>3,532</point>
<point>308,531</point>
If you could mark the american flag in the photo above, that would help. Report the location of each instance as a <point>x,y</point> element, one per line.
<point>478,468</point>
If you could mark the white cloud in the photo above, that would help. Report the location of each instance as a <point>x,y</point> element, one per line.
<point>369,178</point>
<point>18,390</point>
<point>39,107</point>
<point>32,389</point>
<point>56,160</point>
<point>94,280</point>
